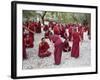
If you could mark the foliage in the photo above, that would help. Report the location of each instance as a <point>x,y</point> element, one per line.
<point>63,17</point>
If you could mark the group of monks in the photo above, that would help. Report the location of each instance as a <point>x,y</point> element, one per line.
<point>55,32</point>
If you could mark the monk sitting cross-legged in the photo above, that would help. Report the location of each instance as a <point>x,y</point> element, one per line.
<point>43,49</point>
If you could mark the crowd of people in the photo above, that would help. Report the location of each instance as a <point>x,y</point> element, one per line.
<point>54,31</point>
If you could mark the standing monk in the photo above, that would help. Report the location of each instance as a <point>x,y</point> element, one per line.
<point>39,27</point>
<point>56,29</point>
<point>70,33</point>
<point>24,48</point>
<point>43,49</point>
<point>75,45</point>
<point>58,44</point>
<point>62,31</point>
<point>31,27</point>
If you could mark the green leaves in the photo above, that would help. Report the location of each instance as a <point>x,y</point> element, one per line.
<point>63,17</point>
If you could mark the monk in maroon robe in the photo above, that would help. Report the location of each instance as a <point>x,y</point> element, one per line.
<point>58,44</point>
<point>62,31</point>
<point>75,45</point>
<point>47,33</point>
<point>66,47</point>
<point>51,25</point>
<point>38,29</point>
<point>43,49</point>
<point>31,27</point>
<point>24,48</point>
<point>46,28</point>
<point>28,41</point>
<point>70,33</point>
<point>56,30</point>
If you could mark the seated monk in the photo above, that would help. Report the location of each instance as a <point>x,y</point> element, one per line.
<point>43,49</point>
<point>28,41</point>
<point>66,47</point>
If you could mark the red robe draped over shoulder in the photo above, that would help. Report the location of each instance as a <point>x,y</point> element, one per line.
<point>43,50</point>
<point>56,30</point>
<point>58,44</point>
<point>75,45</point>
<point>70,33</point>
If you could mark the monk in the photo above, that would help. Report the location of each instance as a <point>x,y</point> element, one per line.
<point>47,33</point>
<point>38,29</point>
<point>29,38</point>
<point>62,31</point>
<point>66,47</point>
<point>75,45</point>
<point>56,29</point>
<point>51,25</point>
<point>46,28</point>
<point>31,27</point>
<point>70,33</point>
<point>58,44</point>
<point>43,49</point>
<point>28,41</point>
<point>24,48</point>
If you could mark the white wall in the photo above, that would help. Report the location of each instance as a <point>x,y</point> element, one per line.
<point>5,40</point>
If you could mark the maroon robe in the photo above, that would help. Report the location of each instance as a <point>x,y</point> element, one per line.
<point>31,26</point>
<point>24,48</point>
<point>43,50</point>
<point>58,44</point>
<point>62,31</point>
<point>38,28</point>
<point>75,46</point>
<point>46,28</point>
<point>29,42</point>
<point>70,33</point>
<point>56,30</point>
<point>47,34</point>
<point>66,47</point>
<point>51,25</point>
